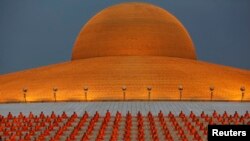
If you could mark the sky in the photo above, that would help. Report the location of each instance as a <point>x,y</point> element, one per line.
<point>35,33</point>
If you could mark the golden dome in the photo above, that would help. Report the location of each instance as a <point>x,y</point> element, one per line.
<point>140,45</point>
<point>133,29</point>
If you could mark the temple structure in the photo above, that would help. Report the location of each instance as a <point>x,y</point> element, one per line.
<point>129,51</point>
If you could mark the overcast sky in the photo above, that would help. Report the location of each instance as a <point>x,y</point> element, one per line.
<point>36,33</point>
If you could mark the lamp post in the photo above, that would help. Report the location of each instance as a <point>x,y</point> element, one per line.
<point>242,89</point>
<point>54,92</point>
<point>149,88</point>
<point>86,92</point>
<point>124,88</point>
<point>24,94</point>
<point>211,92</point>
<point>180,88</point>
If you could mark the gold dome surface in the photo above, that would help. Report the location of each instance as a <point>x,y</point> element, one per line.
<point>133,29</point>
<point>136,45</point>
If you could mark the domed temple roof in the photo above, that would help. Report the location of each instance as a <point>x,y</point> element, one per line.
<point>133,29</point>
<point>136,45</point>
